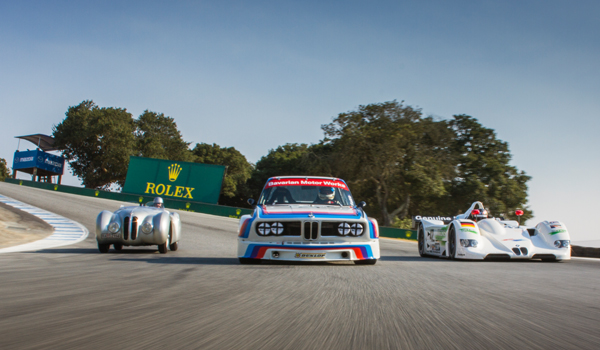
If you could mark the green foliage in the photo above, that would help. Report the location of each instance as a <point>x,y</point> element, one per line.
<point>4,169</point>
<point>97,143</point>
<point>235,191</point>
<point>483,172</point>
<point>388,153</point>
<point>405,224</point>
<point>157,136</point>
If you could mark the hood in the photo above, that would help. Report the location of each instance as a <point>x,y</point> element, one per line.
<point>137,211</point>
<point>305,211</point>
<point>505,236</point>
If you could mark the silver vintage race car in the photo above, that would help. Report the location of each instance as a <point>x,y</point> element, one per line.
<point>145,225</point>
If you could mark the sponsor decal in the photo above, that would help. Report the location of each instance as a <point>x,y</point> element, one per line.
<point>166,190</point>
<point>469,230</point>
<point>555,226</point>
<point>439,218</point>
<point>25,159</point>
<point>310,255</point>
<point>557,231</point>
<point>306,182</point>
<point>174,170</point>
<point>514,240</point>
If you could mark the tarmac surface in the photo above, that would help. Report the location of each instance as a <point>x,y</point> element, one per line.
<point>200,297</point>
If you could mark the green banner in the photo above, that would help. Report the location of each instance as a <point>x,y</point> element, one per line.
<point>174,180</point>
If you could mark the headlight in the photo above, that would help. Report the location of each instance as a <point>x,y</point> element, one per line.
<point>469,243</point>
<point>277,228</point>
<point>264,229</point>
<point>356,229</point>
<point>566,243</point>
<point>562,243</point>
<point>344,229</point>
<point>114,227</point>
<point>147,227</point>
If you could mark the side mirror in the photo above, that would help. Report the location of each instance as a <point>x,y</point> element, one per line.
<point>362,204</point>
<point>251,201</point>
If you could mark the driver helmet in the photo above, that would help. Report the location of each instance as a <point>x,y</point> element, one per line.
<point>326,193</point>
<point>158,202</point>
<point>481,213</point>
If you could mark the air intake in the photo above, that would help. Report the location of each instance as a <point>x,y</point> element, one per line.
<point>126,228</point>
<point>134,227</point>
<point>524,251</point>
<point>516,251</point>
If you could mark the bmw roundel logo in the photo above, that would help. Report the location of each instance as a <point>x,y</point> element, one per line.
<point>40,159</point>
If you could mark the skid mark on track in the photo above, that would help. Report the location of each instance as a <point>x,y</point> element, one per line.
<point>66,231</point>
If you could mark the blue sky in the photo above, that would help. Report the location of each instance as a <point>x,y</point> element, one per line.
<point>255,75</point>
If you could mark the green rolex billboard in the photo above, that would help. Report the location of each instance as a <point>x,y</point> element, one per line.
<point>177,180</point>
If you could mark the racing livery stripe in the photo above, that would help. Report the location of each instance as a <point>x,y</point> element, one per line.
<point>467,224</point>
<point>257,251</point>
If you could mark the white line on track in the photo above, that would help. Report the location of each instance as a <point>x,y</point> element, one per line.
<point>66,231</point>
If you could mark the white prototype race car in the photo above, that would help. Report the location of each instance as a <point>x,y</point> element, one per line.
<point>307,219</point>
<point>145,225</point>
<point>474,236</point>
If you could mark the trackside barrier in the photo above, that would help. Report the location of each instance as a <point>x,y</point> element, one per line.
<point>205,208</point>
<point>197,207</point>
<point>392,232</point>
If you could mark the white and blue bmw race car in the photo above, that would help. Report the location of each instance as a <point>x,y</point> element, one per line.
<point>307,219</point>
<point>474,236</point>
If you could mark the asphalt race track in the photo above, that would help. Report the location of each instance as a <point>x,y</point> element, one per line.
<point>199,297</point>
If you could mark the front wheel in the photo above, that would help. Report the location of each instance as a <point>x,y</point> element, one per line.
<point>421,239</point>
<point>452,243</point>
<point>118,246</point>
<point>174,246</point>
<point>366,262</point>
<point>103,248</point>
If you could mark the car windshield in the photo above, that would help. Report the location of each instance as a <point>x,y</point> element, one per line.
<point>306,191</point>
<point>152,204</point>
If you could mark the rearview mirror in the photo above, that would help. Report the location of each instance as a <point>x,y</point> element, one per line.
<point>251,201</point>
<point>362,204</point>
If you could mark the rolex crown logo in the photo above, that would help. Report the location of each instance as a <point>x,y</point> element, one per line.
<point>174,170</point>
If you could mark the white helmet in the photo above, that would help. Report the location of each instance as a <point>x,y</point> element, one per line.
<point>326,193</point>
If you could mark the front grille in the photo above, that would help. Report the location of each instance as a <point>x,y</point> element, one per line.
<point>134,227</point>
<point>516,251</point>
<point>524,251</point>
<point>311,230</point>
<point>126,228</point>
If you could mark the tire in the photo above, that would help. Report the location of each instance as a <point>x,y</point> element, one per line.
<point>248,261</point>
<point>118,246</point>
<point>162,248</point>
<point>174,246</point>
<point>366,262</point>
<point>103,248</point>
<point>452,243</point>
<point>421,240</point>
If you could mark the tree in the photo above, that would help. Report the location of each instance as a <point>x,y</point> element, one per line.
<point>483,172</point>
<point>4,169</point>
<point>157,136</point>
<point>97,143</point>
<point>389,154</point>
<point>234,191</point>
